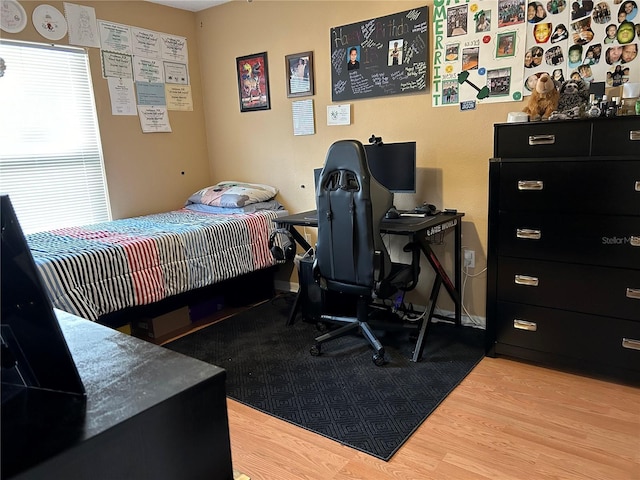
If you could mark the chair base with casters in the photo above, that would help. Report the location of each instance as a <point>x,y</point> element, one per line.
<point>350,324</point>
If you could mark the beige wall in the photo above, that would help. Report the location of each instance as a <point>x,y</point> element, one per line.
<point>144,171</point>
<point>453,146</point>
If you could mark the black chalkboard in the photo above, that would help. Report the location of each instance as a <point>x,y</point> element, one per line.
<point>389,56</point>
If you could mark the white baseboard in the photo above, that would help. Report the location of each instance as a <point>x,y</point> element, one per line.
<point>477,322</point>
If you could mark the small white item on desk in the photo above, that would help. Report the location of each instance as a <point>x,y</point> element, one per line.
<point>417,215</point>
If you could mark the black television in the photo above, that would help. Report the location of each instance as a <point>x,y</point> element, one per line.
<point>393,165</point>
<point>35,354</point>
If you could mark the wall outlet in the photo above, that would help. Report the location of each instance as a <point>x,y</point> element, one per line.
<point>470,258</point>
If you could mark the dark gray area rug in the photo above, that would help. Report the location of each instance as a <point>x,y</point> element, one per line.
<point>340,394</point>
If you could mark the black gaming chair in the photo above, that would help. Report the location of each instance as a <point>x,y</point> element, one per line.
<point>351,257</point>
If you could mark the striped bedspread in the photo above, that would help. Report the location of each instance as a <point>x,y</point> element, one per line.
<point>102,268</point>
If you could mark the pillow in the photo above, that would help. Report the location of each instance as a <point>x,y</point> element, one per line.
<point>254,207</point>
<point>233,194</point>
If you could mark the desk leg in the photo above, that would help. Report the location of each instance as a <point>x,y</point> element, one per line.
<point>426,320</point>
<point>442,274</point>
<point>304,244</point>
<point>300,239</point>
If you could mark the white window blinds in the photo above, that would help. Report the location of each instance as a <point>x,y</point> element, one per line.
<point>51,161</point>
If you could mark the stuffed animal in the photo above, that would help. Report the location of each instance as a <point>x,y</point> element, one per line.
<point>574,100</point>
<point>543,99</point>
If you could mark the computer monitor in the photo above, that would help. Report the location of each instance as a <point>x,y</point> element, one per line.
<point>393,165</point>
<point>316,177</point>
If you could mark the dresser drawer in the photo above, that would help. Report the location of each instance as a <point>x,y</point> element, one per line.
<point>594,187</point>
<point>542,139</point>
<point>591,239</point>
<point>586,337</point>
<point>613,292</point>
<point>619,136</point>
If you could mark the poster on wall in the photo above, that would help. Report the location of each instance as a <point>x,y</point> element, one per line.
<point>253,82</point>
<point>591,40</point>
<point>478,51</point>
<point>381,56</point>
<point>115,37</point>
<point>83,26</point>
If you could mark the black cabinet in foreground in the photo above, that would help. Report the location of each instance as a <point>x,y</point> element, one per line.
<point>149,413</point>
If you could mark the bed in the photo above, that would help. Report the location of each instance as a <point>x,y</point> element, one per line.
<point>94,270</point>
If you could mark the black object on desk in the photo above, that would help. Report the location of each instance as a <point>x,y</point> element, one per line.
<point>418,230</point>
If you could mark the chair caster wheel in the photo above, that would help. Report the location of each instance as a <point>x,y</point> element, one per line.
<point>378,359</point>
<point>315,350</point>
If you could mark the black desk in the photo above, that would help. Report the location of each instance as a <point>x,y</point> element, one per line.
<point>420,230</point>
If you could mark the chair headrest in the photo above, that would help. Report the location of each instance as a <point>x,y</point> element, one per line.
<point>346,155</point>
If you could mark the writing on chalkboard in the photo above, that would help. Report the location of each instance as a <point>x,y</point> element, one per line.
<point>381,56</point>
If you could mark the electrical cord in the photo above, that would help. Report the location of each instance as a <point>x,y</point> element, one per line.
<point>467,275</point>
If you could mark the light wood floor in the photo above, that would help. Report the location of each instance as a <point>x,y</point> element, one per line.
<point>506,420</point>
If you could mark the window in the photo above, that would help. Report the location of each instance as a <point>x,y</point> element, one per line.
<point>51,161</point>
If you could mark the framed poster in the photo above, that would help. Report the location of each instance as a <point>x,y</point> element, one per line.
<point>380,56</point>
<point>299,72</point>
<point>253,82</point>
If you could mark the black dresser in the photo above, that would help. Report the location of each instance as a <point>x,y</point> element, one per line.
<point>564,245</point>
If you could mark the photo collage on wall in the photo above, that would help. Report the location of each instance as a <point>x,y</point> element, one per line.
<point>594,40</point>
<point>494,50</point>
<point>479,50</point>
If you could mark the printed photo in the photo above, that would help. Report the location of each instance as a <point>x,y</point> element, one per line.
<point>470,58</point>
<point>499,82</point>
<point>483,21</point>
<point>451,52</point>
<point>457,20</point>
<point>506,45</point>
<point>450,92</point>
<point>511,12</point>
<point>395,52</point>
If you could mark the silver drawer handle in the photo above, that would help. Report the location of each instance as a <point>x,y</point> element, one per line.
<point>528,233</point>
<point>631,343</point>
<point>524,325</point>
<point>531,184</point>
<point>634,135</point>
<point>634,241</point>
<point>526,280</point>
<point>633,293</point>
<point>637,185</point>
<point>542,139</point>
